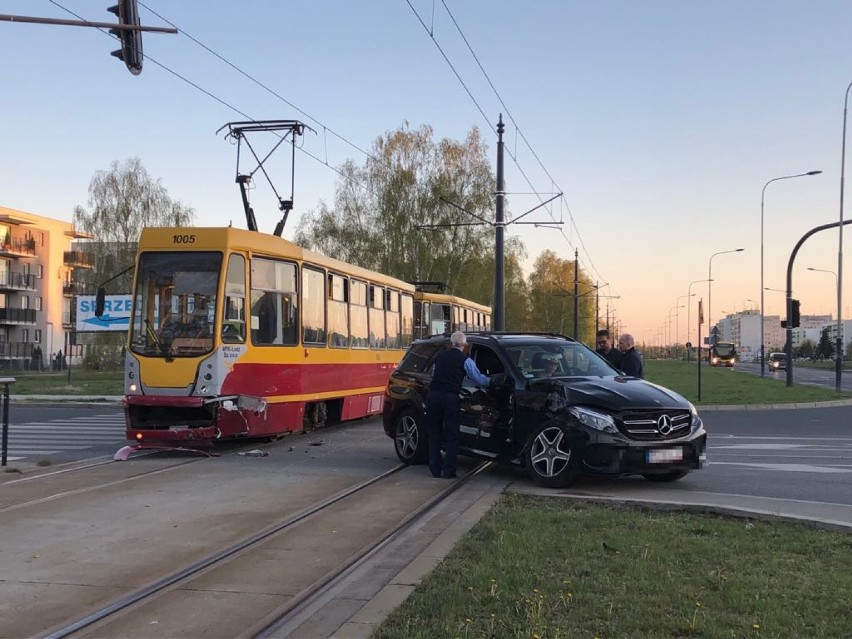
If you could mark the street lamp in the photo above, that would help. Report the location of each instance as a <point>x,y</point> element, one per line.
<point>839,354</point>
<point>710,288</point>
<point>677,318</point>
<point>670,326</point>
<point>688,312</point>
<point>762,194</point>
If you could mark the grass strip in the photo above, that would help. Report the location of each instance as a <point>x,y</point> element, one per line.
<point>549,568</point>
<point>729,386</point>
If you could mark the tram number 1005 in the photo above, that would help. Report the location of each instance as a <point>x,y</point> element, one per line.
<point>183,239</point>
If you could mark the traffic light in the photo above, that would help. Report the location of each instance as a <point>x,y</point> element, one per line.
<point>794,313</point>
<point>131,39</point>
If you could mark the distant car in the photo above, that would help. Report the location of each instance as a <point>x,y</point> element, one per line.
<point>586,418</point>
<point>778,361</point>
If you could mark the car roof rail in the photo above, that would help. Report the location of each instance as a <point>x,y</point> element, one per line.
<point>497,334</point>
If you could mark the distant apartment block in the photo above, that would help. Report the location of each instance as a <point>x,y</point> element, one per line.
<point>37,287</point>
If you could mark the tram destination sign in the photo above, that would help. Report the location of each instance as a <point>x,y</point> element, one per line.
<point>116,315</point>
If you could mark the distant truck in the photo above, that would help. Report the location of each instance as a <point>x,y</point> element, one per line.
<point>723,354</point>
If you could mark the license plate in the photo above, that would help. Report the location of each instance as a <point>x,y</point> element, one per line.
<point>665,455</point>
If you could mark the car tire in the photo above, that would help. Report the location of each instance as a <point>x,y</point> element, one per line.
<point>409,438</point>
<point>666,477</point>
<point>548,457</point>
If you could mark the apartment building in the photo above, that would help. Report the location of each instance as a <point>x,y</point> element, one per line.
<point>37,287</point>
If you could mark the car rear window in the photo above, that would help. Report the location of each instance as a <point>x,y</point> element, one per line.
<point>419,357</point>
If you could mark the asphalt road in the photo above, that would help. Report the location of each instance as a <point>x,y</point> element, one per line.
<point>822,377</point>
<point>801,454</point>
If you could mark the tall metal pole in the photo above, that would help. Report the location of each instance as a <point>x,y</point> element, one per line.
<point>710,290</point>
<point>499,304</point>
<point>838,370</point>
<point>689,314</point>
<point>576,297</point>
<point>762,197</point>
<point>597,308</point>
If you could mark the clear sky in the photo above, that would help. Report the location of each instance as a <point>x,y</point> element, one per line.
<point>661,121</point>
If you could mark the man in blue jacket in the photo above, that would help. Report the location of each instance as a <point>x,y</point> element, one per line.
<point>443,405</point>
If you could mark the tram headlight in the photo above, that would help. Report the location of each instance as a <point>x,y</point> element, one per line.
<point>132,388</point>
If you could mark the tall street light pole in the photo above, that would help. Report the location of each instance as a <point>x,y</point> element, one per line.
<point>839,354</point>
<point>688,313</point>
<point>762,197</point>
<point>677,318</point>
<point>673,308</point>
<point>710,289</point>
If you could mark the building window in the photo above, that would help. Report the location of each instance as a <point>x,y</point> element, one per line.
<point>25,301</point>
<point>40,272</point>
<point>38,303</point>
<point>37,336</point>
<point>25,335</point>
<point>41,239</point>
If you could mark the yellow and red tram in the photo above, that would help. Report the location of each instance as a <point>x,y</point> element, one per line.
<point>236,333</point>
<point>437,313</point>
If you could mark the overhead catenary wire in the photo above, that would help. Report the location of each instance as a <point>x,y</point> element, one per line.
<point>511,118</point>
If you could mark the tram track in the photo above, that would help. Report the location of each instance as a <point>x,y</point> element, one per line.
<point>276,573</point>
<point>87,472</point>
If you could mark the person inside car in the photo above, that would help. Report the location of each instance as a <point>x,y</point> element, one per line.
<point>443,405</point>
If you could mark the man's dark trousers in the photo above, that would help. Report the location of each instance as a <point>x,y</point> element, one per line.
<point>443,419</point>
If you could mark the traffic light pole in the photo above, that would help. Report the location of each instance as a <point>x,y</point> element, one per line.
<point>788,345</point>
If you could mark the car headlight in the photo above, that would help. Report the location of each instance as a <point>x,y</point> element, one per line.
<point>593,419</point>
<point>692,409</point>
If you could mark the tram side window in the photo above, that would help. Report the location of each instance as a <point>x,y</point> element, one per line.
<point>392,318</point>
<point>408,315</point>
<point>274,311</point>
<point>234,319</point>
<point>338,311</point>
<point>440,319</point>
<point>358,331</point>
<point>313,307</point>
<point>377,318</point>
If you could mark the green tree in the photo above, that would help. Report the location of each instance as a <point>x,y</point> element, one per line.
<point>380,208</point>
<point>551,295</point>
<point>825,348</point>
<point>123,201</point>
<point>806,349</point>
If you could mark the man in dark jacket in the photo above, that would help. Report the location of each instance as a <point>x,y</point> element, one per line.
<point>443,406</point>
<point>606,350</point>
<point>631,361</point>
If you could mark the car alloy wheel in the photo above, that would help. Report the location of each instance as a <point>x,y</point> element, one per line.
<point>409,438</point>
<point>549,457</point>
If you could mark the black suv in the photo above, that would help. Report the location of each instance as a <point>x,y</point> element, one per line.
<point>585,418</point>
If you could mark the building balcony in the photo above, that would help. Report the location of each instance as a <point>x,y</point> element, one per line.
<point>78,259</point>
<point>17,316</point>
<point>69,289</point>
<point>11,281</point>
<point>16,350</point>
<point>15,247</point>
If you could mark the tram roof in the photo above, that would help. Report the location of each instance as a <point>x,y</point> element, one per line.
<point>257,243</point>
<point>441,298</point>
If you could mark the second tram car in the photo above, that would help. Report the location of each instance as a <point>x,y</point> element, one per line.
<point>236,333</point>
<point>436,313</point>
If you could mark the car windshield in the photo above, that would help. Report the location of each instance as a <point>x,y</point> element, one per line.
<point>778,357</point>
<point>568,359</point>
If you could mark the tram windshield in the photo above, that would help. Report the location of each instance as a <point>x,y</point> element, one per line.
<point>174,304</point>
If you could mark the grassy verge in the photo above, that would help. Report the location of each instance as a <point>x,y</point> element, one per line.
<point>727,386</point>
<point>546,568</point>
<point>83,382</point>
